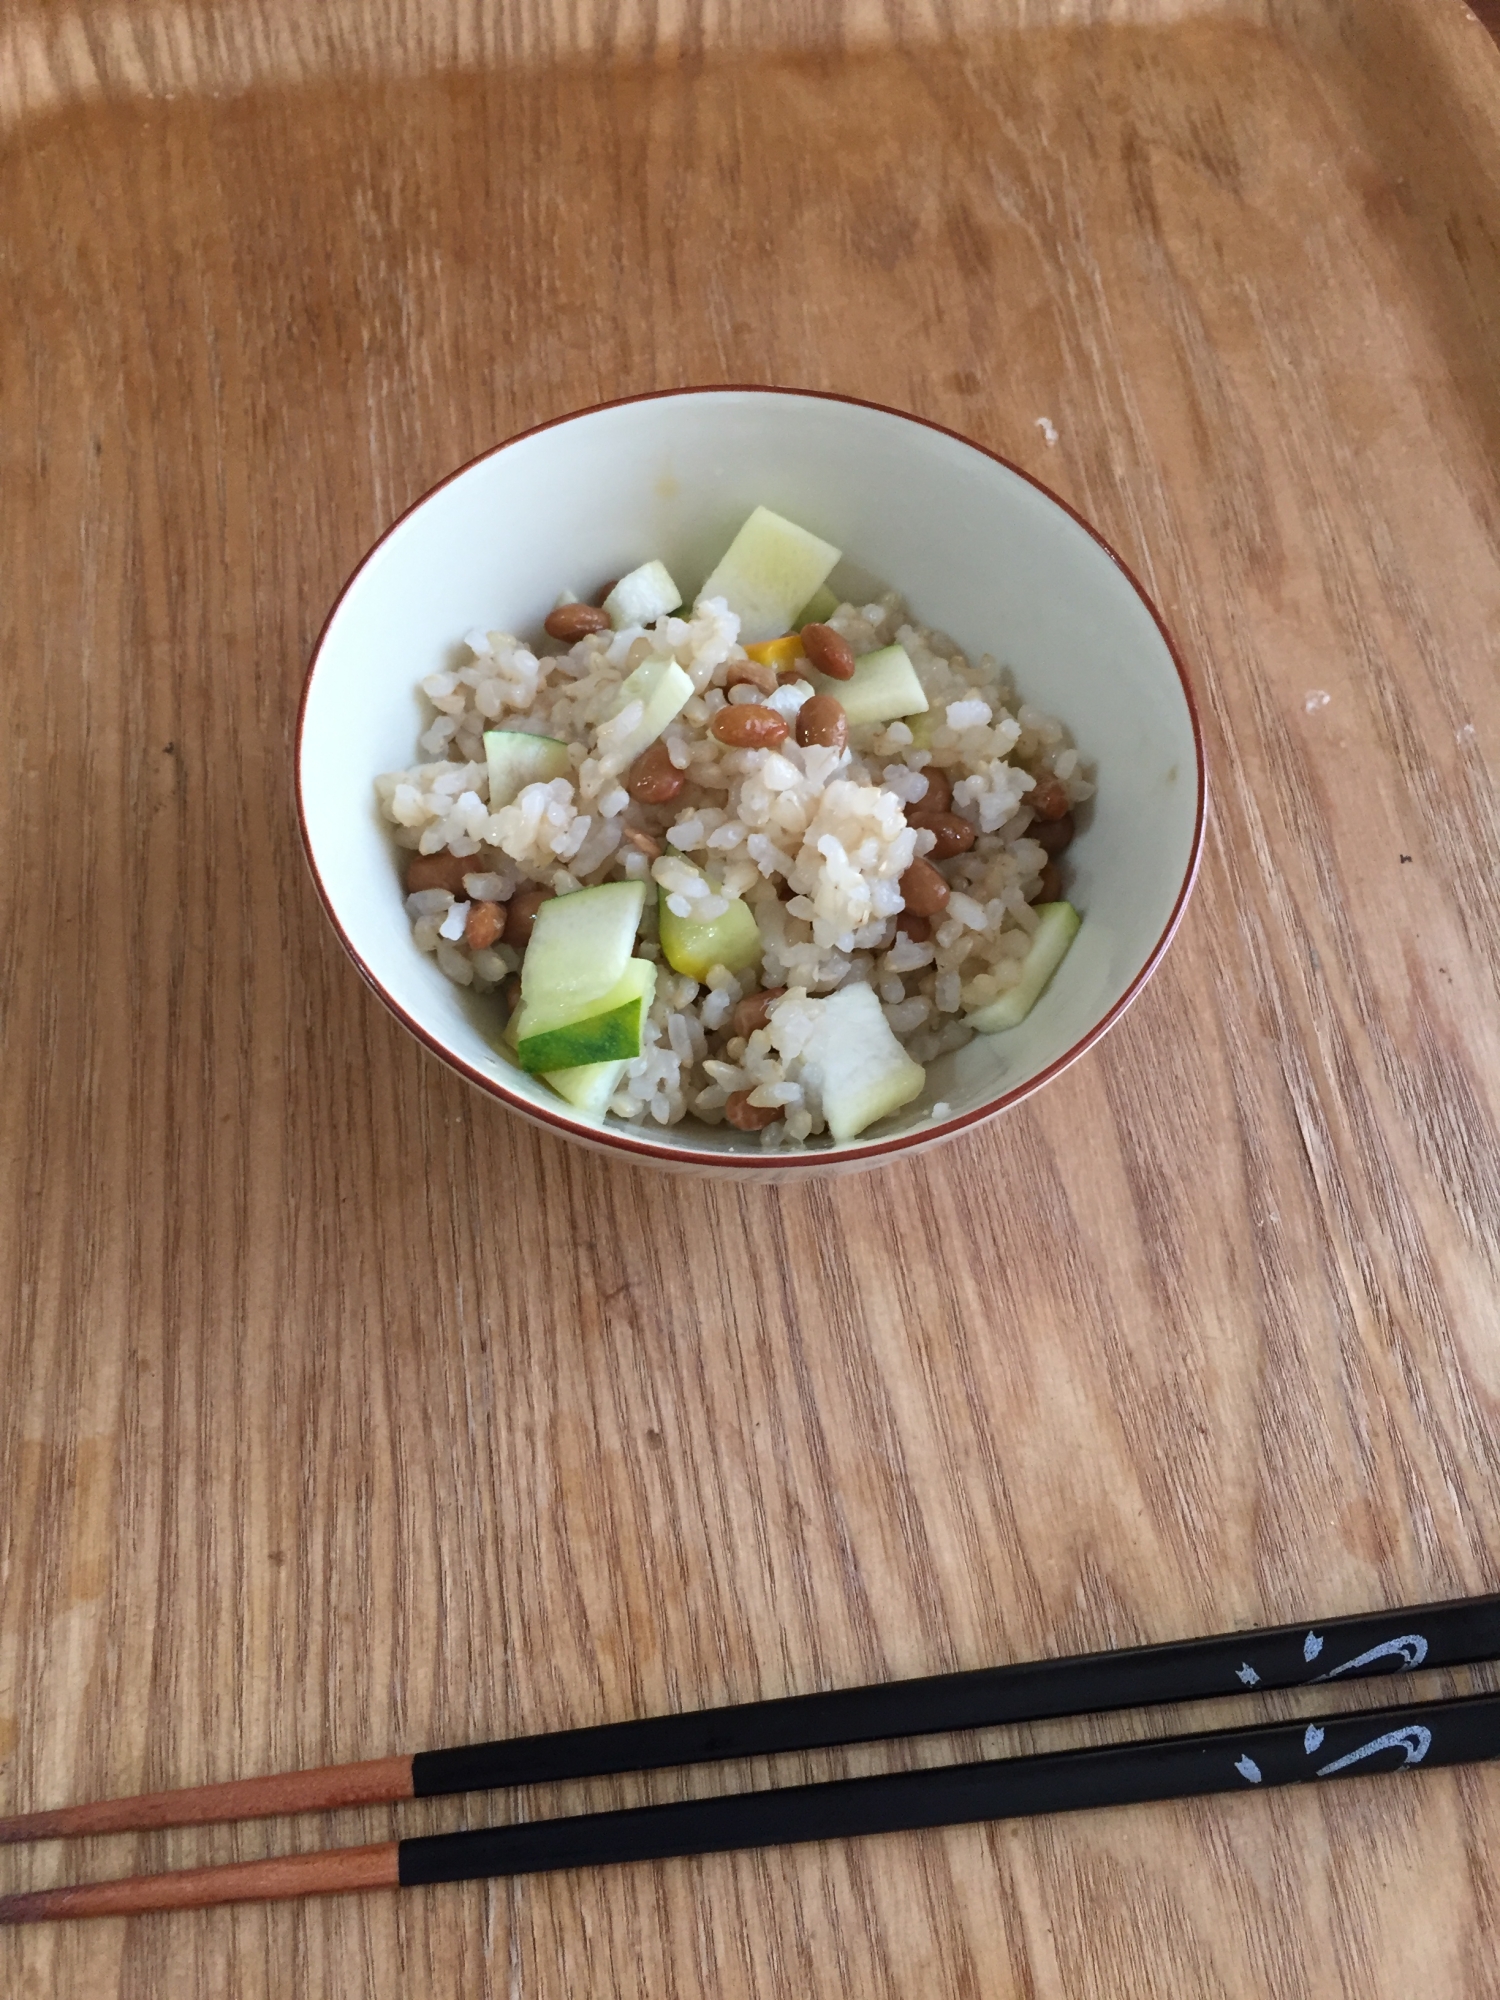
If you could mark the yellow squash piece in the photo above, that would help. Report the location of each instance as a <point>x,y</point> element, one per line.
<point>778,653</point>
<point>732,940</point>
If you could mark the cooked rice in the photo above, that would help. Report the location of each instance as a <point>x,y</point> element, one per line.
<point>823,827</point>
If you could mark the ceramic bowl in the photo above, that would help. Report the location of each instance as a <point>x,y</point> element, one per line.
<point>978,548</point>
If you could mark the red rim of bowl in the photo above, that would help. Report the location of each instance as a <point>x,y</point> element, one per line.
<point>779,1161</point>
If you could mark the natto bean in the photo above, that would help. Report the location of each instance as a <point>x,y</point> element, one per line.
<point>520,914</point>
<point>822,720</point>
<point>484,925</point>
<point>439,871</point>
<point>923,890</point>
<point>829,651</point>
<point>752,673</point>
<point>750,1117</point>
<point>1048,798</point>
<point>938,797</point>
<point>753,1012</point>
<point>653,779</point>
<point>1052,835</point>
<point>748,726</point>
<point>572,622</point>
<point>955,835</point>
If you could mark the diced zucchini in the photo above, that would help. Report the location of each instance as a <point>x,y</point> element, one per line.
<point>580,946</point>
<point>768,572</point>
<point>866,1072</point>
<point>609,1032</point>
<point>648,593</point>
<point>884,688</point>
<point>693,948</point>
<point>517,760</point>
<point>818,609</point>
<point>663,690</point>
<point>1049,947</point>
<point>589,1087</point>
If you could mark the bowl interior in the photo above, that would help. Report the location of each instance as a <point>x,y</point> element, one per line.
<point>976,549</point>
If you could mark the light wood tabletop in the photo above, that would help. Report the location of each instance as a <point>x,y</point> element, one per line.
<point>342,1414</point>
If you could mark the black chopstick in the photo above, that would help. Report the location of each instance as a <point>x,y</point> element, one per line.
<point>1456,1632</point>
<point>1426,1734</point>
<point>1422,1735</point>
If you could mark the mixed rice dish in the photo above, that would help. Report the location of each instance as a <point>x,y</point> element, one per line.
<point>757,859</point>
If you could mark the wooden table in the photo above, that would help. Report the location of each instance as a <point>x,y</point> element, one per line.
<point>340,1413</point>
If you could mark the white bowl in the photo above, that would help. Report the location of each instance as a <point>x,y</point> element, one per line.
<point>979,550</point>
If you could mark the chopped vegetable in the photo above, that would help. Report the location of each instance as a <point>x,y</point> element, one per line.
<point>769,571</point>
<point>663,690</point>
<point>580,946</point>
<point>866,1072</point>
<point>609,1032</point>
<point>777,653</point>
<point>818,609</point>
<point>695,947</point>
<point>517,760</point>
<point>590,1086</point>
<point>884,688</point>
<point>648,593</point>
<point>1050,943</point>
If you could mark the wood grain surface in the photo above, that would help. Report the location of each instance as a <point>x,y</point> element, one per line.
<point>340,1414</point>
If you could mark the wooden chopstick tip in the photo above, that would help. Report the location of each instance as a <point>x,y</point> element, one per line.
<point>335,1872</point>
<point>31,1826</point>
<point>32,1906</point>
<point>379,1781</point>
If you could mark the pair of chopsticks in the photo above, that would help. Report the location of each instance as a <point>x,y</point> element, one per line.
<point>1460,1632</point>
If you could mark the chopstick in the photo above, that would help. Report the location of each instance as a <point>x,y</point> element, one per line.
<point>1455,1632</point>
<point>1425,1735</point>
